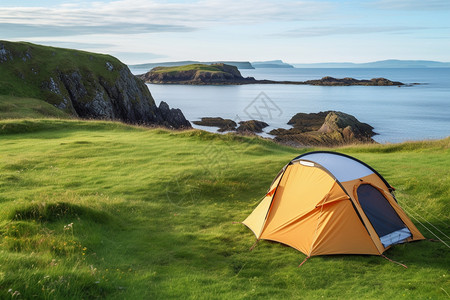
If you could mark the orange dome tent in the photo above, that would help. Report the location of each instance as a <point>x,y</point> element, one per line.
<point>330,203</point>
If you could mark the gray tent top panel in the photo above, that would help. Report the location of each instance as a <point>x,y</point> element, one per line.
<point>342,167</point>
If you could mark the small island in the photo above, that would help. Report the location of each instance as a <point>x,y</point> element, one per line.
<point>223,74</point>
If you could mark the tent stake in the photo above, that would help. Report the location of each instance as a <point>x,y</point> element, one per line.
<point>306,258</point>
<point>395,261</point>
<point>254,245</point>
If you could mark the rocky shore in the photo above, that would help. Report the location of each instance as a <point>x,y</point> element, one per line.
<point>327,128</point>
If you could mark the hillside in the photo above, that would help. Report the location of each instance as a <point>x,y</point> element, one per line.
<point>81,84</point>
<point>94,209</point>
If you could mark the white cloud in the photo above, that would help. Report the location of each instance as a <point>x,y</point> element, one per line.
<point>141,16</point>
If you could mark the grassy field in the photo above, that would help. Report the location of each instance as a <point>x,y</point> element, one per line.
<point>105,210</point>
<point>17,107</point>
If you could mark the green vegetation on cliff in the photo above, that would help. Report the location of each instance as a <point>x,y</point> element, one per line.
<point>25,67</point>
<point>104,210</point>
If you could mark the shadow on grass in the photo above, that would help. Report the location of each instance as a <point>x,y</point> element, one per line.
<point>50,212</point>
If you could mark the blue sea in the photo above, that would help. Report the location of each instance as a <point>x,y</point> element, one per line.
<point>398,114</point>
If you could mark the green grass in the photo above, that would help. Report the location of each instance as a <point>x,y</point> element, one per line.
<point>105,210</point>
<point>17,107</point>
<point>196,67</point>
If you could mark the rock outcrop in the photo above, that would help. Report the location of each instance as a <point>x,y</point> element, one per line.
<point>222,124</point>
<point>245,127</point>
<point>346,125</point>
<point>329,128</point>
<point>172,117</point>
<point>83,84</point>
<point>252,126</point>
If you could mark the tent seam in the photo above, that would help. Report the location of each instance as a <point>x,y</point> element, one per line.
<point>271,202</point>
<point>318,221</point>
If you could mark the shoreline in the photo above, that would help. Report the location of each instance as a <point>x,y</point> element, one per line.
<point>313,82</point>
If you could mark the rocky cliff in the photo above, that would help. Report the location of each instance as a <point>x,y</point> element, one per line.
<point>83,84</point>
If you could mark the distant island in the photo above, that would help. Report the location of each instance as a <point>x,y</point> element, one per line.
<point>244,65</point>
<point>223,74</point>
<point>389,63</point>
<point>271,64</point>
<point>149,66</point>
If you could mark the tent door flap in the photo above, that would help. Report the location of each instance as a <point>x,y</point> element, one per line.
<point>386,222</point>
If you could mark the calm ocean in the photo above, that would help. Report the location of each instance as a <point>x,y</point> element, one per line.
<point>397,113</point>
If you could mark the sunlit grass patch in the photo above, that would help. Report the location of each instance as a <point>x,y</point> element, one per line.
<point>93,209</point>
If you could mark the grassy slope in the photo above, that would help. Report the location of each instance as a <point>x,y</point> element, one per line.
<point>24,75</point>
<point>96,209</point>
<point>17,107</point>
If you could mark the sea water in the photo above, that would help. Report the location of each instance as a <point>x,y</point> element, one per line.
<point>397,114</point>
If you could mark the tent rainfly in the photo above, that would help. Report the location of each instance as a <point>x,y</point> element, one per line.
<point>325,203</point>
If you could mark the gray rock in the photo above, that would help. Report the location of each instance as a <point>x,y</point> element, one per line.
<point>5,54</point>
<point>223,124</point>
<point>53,87</point>
<point>63,104</point>
<point>251,126</point>
<point>347,125</point>
<point>172,117</point>
<point>109,66</point>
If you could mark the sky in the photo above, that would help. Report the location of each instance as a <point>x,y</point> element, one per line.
<point>142,31</point>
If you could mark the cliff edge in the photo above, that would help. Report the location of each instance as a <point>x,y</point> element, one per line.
<point>82,84</point>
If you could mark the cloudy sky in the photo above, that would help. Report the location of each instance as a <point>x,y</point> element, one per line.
<point>139,31</point>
